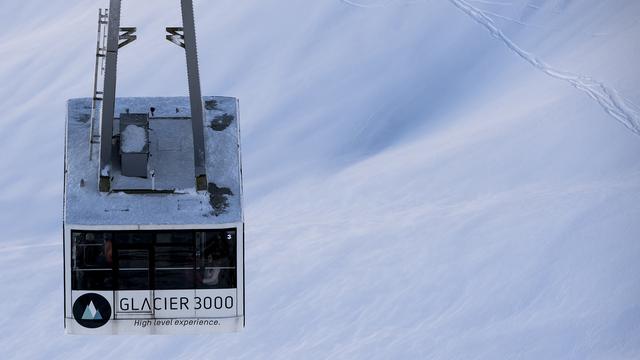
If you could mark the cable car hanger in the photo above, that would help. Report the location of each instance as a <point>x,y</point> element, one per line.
<point>146,252</point>
<point>119,37</point>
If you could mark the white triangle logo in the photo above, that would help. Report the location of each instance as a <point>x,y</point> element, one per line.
<point>91,313</point>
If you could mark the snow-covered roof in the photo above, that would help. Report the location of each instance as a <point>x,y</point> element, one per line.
<point>174,199</point>
<point>133,139</point>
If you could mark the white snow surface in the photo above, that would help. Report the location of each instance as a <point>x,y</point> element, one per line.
<point>133,139</point>
<point>423,179</point>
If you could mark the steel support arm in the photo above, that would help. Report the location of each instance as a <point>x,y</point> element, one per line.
<point>195,94</point>
<point>109,100</point>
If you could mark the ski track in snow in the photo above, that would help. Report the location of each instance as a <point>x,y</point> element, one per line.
<point>608,98</point>
<point>617,106</point>
<point>516,21</point>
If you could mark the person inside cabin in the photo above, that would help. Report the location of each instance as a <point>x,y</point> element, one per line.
<point>211,274</point>
<point>108,251</point>
<point>217,261</point>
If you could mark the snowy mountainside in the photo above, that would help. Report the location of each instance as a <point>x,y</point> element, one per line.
<point>415,187</point>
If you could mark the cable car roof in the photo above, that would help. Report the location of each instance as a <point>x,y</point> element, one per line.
<point>170,198</point>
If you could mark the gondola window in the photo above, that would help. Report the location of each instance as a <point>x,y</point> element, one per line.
<point>154,260</point>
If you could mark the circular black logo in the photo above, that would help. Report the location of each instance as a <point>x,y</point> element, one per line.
<point>91,310</point>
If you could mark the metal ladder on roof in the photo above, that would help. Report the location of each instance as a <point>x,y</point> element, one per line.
<point>98,80</point>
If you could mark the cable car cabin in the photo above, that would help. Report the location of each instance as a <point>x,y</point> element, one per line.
<point>152,253</point>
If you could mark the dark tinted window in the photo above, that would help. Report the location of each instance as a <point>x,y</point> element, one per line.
<point>133,259</point>
<point>216,278</point>
<point>174,279</point>
<point>217,265</point>
<point>175,260</point>
<point>220,249</point>
<point>91,261</point>
<point>175,250</point>
<point>134,238</point>
<point>133,280</point>
<point>91,280</point>
<point>92,250</point>
<point>141,260</point>
<point>132,267</point>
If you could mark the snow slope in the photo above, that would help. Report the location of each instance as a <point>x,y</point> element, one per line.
<point>424,179</point>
